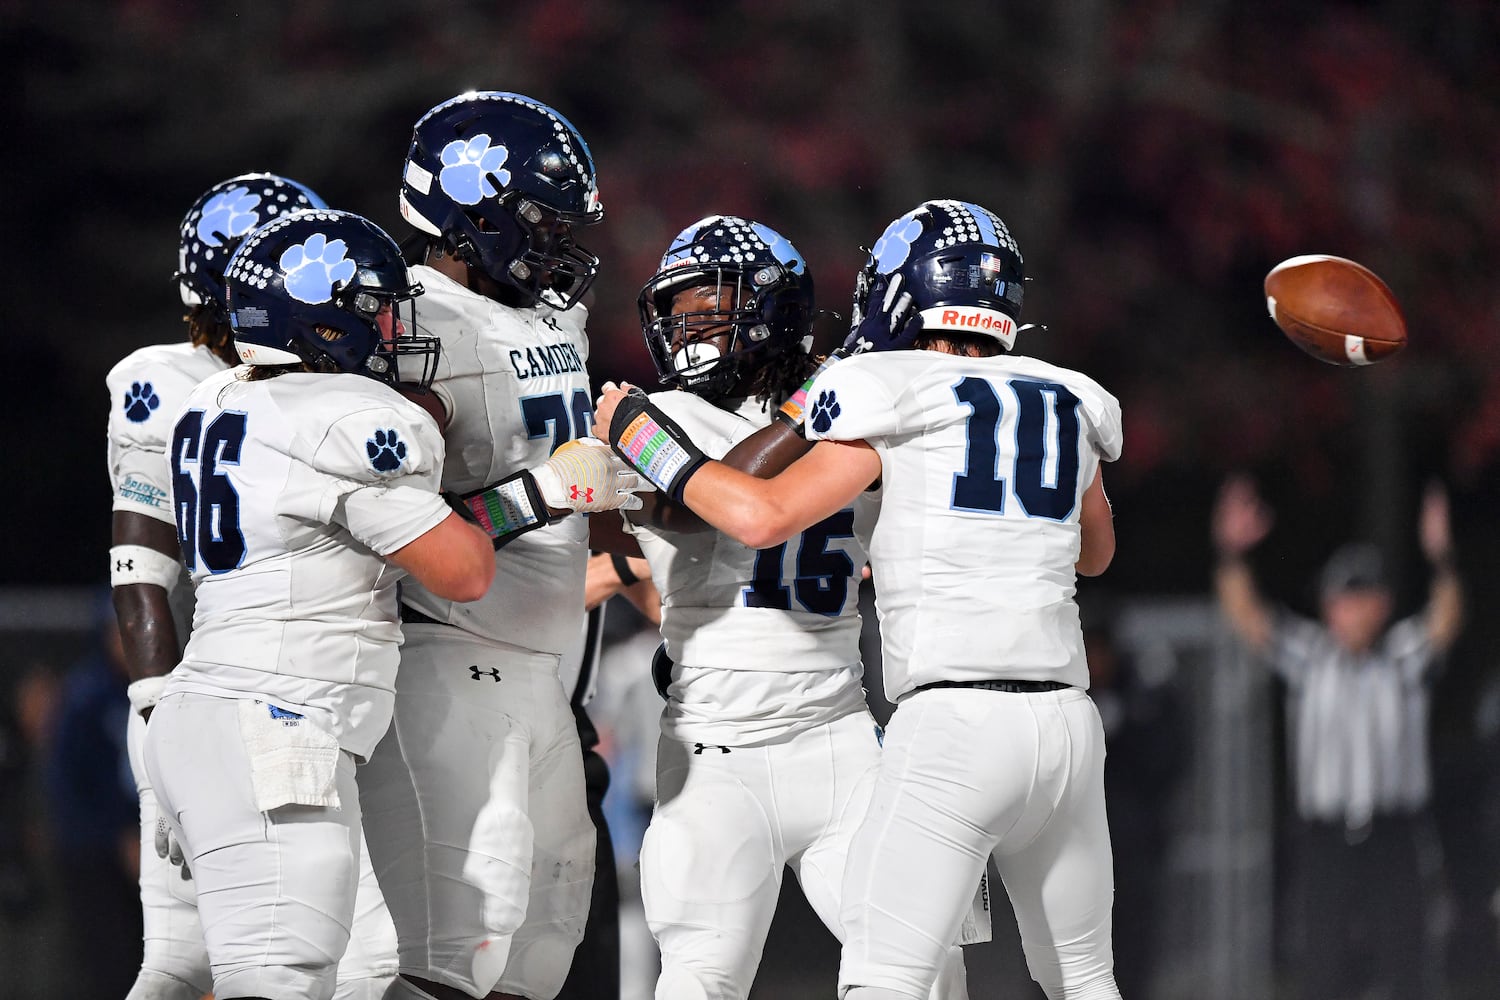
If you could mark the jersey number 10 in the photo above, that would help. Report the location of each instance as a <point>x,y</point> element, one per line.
<point>1044,472</point>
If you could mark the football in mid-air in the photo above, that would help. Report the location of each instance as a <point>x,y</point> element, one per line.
<point>1336,310</point>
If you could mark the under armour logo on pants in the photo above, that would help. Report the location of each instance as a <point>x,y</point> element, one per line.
<point>493,673</point>
<point>700,747</point>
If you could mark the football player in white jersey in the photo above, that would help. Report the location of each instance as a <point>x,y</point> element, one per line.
<point>478,824</point>
<point>153,599</point>
<point>992,503</point>
<point>767,749</point>
<point>302,487</point>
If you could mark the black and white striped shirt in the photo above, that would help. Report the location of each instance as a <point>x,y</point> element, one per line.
<point>1357,723</point>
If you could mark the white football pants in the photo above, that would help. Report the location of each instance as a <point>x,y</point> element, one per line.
<point>276,890</point>
<point>727,822</point>
<point>476,816</point>
<point>965,774</point>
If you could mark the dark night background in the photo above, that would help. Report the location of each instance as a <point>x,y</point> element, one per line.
<point>1152,159</point>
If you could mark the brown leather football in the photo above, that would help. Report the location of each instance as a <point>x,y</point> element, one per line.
<point>1336,310</point>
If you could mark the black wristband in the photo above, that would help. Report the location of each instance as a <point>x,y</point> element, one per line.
<point>456,503</point>
<point>509,508</point>
<point>651,443</point>
<point>622,569</point>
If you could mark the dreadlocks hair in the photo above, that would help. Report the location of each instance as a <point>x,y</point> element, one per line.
<point>782,375</point>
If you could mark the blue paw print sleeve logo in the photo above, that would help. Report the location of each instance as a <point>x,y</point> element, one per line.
<point>315,267</point>
<point>140,401</point>
<point>894,245</point>
<point>386,450</point>
<point>824,409</point>
<point>229,214</point>
<point>467,166</point>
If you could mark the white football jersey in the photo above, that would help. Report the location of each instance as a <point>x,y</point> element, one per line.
<point>146,389</point>
<point>765,642</point>
<point>516,387</point>
<point>985,462</point>
<point>287,493</point>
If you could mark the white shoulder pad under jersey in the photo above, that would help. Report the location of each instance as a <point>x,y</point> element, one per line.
<point>516,386</point>
<point>146,389</point>
<point>793,607</point>
<point>288,492</point>
<point>984,465</point>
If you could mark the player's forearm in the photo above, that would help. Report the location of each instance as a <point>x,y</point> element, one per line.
<point>148,634</point>
<point>768,451</point>
<point>741,506</point>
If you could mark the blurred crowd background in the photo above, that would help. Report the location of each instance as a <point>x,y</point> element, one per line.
<point>1153,160</point>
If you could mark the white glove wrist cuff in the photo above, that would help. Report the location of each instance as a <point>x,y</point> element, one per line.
<point>145,693</point>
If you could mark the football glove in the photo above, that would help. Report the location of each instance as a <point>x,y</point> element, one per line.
<point>168,848</point>
<point>585,476</point>
<point>884,317</point>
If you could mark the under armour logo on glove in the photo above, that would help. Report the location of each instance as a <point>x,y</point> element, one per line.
<point>586,495</point>
<point>493,673</point>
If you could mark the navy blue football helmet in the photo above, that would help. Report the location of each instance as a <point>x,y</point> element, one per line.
<point>959,263</point>
<point>503,179</point>
<point>771,309</point>
<point>307,288</point>
<point>222,217</point>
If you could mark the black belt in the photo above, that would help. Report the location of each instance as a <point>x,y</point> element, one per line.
<point>411,616</point>
<point>1009,687</point>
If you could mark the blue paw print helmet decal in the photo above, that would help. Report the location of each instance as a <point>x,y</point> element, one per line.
<point>766,300</point>
<point>960,264</point>
<point>824,410</point>
<point>140,402</point>
<point>472,170</point>
<point>310,287</point>
<point>315,268</point>
<point>217,222</point>
<point>386,450</point>
<point>503,181</point>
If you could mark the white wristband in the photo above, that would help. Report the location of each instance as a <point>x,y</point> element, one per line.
<point>145,693</point>
<point>142,564</point>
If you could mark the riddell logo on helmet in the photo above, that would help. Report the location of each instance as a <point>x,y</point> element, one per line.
<point>991,322</point>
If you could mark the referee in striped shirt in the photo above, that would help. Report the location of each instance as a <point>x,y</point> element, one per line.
<point>1362,853</point>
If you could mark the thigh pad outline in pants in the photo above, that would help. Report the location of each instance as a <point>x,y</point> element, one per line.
<point>446,800</point>
<point>275,889</point>
<point>710,871</point>
<point>562,868</point>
